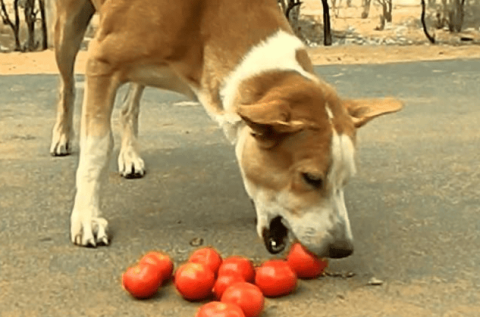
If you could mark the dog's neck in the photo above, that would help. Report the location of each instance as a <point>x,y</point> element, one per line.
<point>278,53</point>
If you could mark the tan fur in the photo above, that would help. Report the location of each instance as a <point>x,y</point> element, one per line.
<point>287,119</point>
<point>307,150</point>
<point>304,60</point>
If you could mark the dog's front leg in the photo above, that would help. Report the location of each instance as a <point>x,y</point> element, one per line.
<point>96,142</point>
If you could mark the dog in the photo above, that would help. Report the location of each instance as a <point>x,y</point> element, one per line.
<point>294,137</point>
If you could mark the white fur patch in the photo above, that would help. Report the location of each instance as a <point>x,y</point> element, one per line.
<point>339,203</point>
<point>86,225</point>
<point>343,158</point>
<point>278,52</point>
<point>329,112</point>
<point>343,167</point>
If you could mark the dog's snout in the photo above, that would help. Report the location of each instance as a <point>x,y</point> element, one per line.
<point>340,250</point>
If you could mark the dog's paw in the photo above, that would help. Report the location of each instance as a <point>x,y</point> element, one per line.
<point>60,143</point>
<point>89,233</point>
<point>130,164</point>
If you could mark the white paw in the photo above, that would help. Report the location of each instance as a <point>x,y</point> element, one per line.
<point>130,164</point>
<point>88,232</point>
<point>60,143</point>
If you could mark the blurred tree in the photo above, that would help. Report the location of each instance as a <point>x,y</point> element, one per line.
<point>366,8</point>
<point>450,14</point>
<point>386,13</point>
<point>291,9</point>
<point>41,4</point>
<point>327,31</point>
<point>14,25</point>
<point>424,25</point>
<point>30,11</point>
<point>455,16</point>
<point>30,18</point>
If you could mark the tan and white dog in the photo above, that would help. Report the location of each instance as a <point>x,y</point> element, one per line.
<point>294,137</point>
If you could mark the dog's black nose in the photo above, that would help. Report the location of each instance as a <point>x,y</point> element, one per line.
<point>340,250</point>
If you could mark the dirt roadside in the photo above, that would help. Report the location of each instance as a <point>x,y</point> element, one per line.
<point>346,25</point>
<point>16,63</point>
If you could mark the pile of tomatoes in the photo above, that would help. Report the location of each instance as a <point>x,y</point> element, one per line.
<point>236,285</point>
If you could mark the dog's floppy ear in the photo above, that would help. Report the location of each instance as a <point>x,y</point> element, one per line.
<point>269,120</point>
<point>363,110</point>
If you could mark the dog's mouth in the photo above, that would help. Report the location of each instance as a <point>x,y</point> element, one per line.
<point>275,237</point>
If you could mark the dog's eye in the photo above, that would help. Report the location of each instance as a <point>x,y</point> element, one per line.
<point>315,181</point>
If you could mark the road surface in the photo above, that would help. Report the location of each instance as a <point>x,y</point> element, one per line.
<point>414,205</point>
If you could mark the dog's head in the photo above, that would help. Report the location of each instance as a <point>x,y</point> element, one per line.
<point>296,156</point>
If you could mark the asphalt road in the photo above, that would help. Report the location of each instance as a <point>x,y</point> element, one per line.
<point>414,205</point>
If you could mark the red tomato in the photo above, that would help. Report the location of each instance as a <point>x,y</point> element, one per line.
<point>218,309</point>
<point>248,296</point>
<point>142,280</point>
<point>161,261</point>
<point>207,256</point>
<point>275,278</point>
<point>194,281</point>
<point>237,265</point>
<point>305,263</point>
<point>224,281</point>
